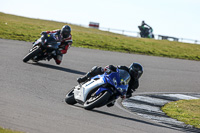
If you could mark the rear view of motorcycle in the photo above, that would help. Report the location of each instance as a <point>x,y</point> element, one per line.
<point>100,90</point>
<point>146,32</point>
<point>43,49</point>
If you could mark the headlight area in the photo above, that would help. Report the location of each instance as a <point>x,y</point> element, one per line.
<point>115,82</point>
<point>120,89</point>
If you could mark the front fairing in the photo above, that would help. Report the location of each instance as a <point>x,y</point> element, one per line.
<point>118,80</point>
<point>111,82</point>
<point>81,93</point>
<point>37,42</point>
<point>49,42</point>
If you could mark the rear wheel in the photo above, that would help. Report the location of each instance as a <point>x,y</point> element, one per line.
<point>36,50</point>
<point>97,100</point>
<point>70,97</point>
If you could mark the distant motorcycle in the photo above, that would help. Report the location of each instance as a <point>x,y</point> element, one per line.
<point>100,90</point>
<point>146,32</point>
<point>43,49</point>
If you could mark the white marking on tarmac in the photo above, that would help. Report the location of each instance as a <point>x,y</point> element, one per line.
<point>142,106</point>
<point>158,118</point>
<point>180,96</point>
<point>147,99</point>
<point>155,101</point>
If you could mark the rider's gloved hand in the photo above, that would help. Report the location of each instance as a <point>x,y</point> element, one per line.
<point>107,70</point>
<point>123,97</point>
<point>58,52</point>
<point>44,36</point>
<point>43,33</point>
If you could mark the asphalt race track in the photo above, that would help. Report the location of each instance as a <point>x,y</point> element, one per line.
<point>32,94</point>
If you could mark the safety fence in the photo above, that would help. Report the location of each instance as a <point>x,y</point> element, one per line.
<point>157,36</point>
<point>137,35</point>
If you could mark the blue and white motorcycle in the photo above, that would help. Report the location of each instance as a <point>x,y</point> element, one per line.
<point>100,90</point>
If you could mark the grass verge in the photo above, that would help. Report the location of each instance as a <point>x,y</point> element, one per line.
<point>187,111</point>
<point>27,29</point>
<point>2,130</point>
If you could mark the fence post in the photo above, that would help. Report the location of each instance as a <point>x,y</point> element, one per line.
<point>159,37</point>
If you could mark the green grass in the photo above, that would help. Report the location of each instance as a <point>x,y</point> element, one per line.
<point>27,29</point>
<point>187,111</point>
<point>2,130</point>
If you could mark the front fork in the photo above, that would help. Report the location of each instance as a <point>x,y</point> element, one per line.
<point>111,91</point>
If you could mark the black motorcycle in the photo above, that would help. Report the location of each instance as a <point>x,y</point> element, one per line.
<point>44,48</point>
<point>146,32</point>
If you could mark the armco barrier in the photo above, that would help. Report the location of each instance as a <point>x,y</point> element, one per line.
<point>136,34</point>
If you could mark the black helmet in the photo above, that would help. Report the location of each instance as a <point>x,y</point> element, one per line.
<point>65,31</point>
<point>135,70</point>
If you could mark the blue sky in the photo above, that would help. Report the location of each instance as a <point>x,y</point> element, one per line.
<point>178,18</point>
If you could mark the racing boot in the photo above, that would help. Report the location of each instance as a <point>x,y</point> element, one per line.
<point>82,79</point>
<point>51,55</point>
<point>129,93</point>
<point>111,104</point>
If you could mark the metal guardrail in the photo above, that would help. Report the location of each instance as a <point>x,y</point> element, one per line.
<point>137,35</point>
<point>158,37</point>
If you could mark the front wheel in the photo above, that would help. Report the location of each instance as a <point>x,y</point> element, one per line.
<point>36,50</point>
<point>69,99</point>
<point>97,100</point>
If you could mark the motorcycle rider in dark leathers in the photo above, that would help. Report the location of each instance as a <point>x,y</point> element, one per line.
<point>64,37</point>
<point>135,70</point>
<point>145,31</point>
<point>143,24</point>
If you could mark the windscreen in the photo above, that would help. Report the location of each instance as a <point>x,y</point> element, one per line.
<point>124,77</point>
<point>51,39</point>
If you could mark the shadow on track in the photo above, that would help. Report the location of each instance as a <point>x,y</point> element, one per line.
<point>59,68</point>
<point>130,119</point>
<point>173,127</point>
<point>170,126</point>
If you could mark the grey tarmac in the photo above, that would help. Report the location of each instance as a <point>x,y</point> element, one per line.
<point>149,106</point>
<point>32,94</point>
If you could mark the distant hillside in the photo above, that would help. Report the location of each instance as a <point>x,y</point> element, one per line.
<point>28,29</point>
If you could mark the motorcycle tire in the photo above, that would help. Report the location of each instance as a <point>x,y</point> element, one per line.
<point>69,99</point>
<point>36,50</point>
<point>96,101</point>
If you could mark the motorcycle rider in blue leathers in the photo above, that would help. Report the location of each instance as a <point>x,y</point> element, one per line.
<point>135,70</point>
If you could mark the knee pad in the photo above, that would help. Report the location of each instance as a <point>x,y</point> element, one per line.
<point>94,68</point>
<point>58,59</point>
